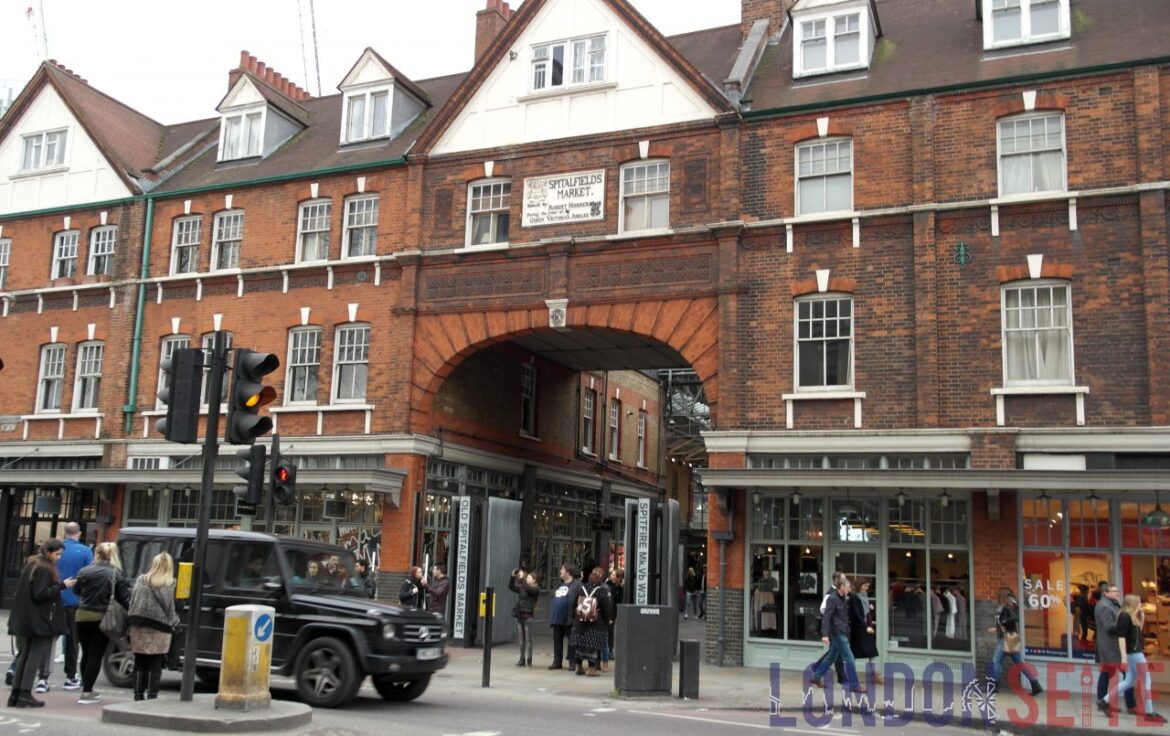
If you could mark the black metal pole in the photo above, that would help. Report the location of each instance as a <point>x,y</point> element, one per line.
<point>210,452</point>
<point>488,614</point>
<point>270,497</point>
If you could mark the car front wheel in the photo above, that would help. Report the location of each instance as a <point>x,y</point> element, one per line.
<point>400,690</point>
<point>327,676</point>
<point>119,663</point>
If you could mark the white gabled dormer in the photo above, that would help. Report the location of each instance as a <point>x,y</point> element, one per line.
<point>572,68</point>
<point>831,36</point>
<point>251,125</point>
<point>376,100</point>
<point>1008,23</point>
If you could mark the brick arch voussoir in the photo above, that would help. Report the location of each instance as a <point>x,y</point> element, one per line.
<point>446,347</point>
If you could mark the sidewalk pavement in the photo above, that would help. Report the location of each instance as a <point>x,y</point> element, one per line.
<point>782,699</point>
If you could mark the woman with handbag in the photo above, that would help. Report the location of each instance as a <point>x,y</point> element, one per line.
<point>38,616</point>
<point>1007,633</point>
<point>103,593</point>
<point>152,620</point>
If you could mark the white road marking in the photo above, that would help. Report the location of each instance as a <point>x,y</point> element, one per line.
<point>703,720</point>
<point>825,731</point>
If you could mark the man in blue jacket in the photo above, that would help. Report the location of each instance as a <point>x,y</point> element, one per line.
<point>74,557</point>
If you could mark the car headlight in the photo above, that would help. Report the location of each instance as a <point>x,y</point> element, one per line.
<point>388,631</point>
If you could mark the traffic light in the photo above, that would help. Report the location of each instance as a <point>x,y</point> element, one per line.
<point>284,475</point>
<point>253,473</point>
<point>184,378</point>
<point>244,423</point>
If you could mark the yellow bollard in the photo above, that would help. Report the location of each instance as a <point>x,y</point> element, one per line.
<point>247,656</point>
<point>183,581</point>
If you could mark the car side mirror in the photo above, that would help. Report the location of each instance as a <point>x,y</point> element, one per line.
<point>273,584</point>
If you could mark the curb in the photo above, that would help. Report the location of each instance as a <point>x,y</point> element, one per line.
<point>201,716</point>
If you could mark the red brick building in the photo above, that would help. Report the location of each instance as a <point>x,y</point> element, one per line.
<point>915,252</point>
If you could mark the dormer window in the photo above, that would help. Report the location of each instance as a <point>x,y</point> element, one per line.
<point>1018,22</point>
<point>831,42</point>
<point>242,135</point>
<point>43,151</point>
<point>377,101</point>
<point>367,115</point>
<point>584,58</point>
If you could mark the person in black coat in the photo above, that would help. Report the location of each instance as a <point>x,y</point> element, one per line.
<point>862,629</point>
<point>523,584</point>
<point>369,582</point>
<point>589,637</point>
<point>96,584</point>
<point>617,594</point>
<point>38,616</point>
<point>413,593</point>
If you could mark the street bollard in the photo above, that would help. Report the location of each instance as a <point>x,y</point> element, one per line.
<point>688,669</point>
<point>247,657</point>
<point>487,611</point>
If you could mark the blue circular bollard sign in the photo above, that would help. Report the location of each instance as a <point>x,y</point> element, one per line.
<point>263,628</point>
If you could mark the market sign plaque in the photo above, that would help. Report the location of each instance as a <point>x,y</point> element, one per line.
<point>564,198</point>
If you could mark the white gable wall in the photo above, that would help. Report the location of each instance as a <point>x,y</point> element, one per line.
<point>641,90</point>
<point>87,176</point>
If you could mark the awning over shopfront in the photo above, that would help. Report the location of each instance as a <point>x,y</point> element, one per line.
<point>384,481</point>
<point>1101,481</point>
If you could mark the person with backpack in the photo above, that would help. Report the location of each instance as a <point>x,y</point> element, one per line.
<point>561,616</point>
<point>592,614</point>
<point>523,584</point>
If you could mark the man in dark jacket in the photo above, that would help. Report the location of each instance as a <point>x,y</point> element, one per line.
<point>414,589</point>
<point>561,616</point>
<point>1108,648</point>
<point>438,590</point>
<point>74,557</point>
<point>835,633</point>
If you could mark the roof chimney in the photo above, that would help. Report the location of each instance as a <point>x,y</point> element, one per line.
<point>489,22</point>
<point>266,74</point>
<point>771,10</point>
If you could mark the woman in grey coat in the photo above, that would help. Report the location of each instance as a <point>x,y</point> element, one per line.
<point>152,620</point>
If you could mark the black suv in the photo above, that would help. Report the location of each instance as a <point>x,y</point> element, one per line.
<point>329,634</point>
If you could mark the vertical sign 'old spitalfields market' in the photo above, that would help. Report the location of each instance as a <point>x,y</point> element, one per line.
<point>564,198</point>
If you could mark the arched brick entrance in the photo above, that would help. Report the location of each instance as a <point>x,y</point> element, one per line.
<point>443,341</point>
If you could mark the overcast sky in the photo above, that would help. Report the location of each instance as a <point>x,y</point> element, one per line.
<point>170,59</point>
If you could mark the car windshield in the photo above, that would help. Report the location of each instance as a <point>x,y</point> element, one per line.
<point>323,570</point>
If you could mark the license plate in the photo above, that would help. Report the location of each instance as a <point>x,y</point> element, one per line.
<point>430,652</point>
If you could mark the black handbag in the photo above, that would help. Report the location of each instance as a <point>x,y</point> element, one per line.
<point>113,622</point>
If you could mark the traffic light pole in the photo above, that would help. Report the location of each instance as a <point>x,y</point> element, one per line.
<point>270,496</point>
<point>210,452</point>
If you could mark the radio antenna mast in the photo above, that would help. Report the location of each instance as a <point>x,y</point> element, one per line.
<point>40,40</point>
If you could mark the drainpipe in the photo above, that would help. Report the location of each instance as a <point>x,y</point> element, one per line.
<point>723,537</point>
<point>136,343</point>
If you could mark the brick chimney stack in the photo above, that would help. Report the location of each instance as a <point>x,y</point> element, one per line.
<point>772,10</point>
<point>266,74</point>
<point>489,22</point>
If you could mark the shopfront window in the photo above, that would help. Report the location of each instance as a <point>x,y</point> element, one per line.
<point>1067,555</point>
<point>855,521</point>
<point>909,606</point>
<point>914,552</point>
<point>1135,534</point>
<point>950,590</point>
<point>767,573</point>
<point>787,571</point>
